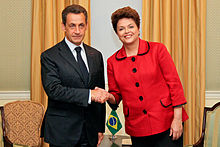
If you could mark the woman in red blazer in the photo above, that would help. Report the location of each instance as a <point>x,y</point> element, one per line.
<point>143,75</point>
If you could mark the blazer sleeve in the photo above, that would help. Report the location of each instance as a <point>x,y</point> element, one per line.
<point>171,76</point>
<point>112,85</point>
<point>53,85</point>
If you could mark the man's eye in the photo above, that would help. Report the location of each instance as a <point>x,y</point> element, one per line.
<point>82,26</point>
<point>131,26</point>
<point>71,26</point>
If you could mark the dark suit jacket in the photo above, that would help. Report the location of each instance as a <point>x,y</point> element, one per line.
<point>68,95</point>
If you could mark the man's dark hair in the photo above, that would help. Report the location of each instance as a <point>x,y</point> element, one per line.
<point>76,9</point>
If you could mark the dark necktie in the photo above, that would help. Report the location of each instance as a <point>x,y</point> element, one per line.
<point>82,64</point>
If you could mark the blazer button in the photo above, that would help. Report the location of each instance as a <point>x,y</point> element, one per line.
<point>144,111</point>
<point>133,59</point>
<point>134,70</point>
<point>137,84</point>
<point>141,98</point>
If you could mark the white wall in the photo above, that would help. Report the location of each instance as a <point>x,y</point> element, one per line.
<point>103,36</point>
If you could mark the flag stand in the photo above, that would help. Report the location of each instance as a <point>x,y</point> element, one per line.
<point>113,138</point>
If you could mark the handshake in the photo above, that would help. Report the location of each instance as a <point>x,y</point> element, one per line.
<point>101,96</point>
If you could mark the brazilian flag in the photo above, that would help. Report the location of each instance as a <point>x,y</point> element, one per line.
<point>113,123</point>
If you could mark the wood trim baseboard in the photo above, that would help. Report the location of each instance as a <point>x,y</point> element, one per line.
<point>212,95</point>
<point>14,95</point>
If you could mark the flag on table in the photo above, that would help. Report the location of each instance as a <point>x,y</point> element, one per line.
<point>113,123</point>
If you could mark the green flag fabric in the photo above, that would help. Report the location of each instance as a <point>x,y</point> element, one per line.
<point>113,123</point>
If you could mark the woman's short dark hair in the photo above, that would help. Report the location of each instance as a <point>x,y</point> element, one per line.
<point>76,9</point>
<point>126,12</point>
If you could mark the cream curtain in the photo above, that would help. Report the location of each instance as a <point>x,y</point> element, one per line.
<point>180,25</point>
<point>46,32</point>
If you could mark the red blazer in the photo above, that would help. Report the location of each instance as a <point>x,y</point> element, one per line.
<point>149,86</point>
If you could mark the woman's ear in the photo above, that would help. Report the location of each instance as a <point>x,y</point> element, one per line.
<point>139,32</point>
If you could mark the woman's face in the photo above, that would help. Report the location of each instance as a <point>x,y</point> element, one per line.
<point>127,31</point>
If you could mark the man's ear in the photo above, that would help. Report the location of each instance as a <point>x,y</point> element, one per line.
<point>87,25</point>
<point>63,27</point>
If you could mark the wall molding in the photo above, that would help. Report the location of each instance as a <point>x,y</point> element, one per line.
<point>14,95</point>
<point>212,95</point>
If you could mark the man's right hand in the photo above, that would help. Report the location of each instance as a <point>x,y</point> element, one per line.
<point>100,95</point>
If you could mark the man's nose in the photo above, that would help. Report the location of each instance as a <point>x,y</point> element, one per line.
<point>77,30</point>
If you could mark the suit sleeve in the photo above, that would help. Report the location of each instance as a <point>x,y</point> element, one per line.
<point>112,85</point>
<point>53,85</point>
<point>171,76</point>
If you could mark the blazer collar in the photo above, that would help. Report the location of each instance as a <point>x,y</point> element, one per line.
<point>66,52</point>
<point>89,55</point>
<point>143,49</point>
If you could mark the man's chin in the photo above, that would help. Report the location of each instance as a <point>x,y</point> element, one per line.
<point>77,42</point>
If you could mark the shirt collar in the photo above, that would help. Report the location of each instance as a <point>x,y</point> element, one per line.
<point>72,46</point>
<point>143,49</point>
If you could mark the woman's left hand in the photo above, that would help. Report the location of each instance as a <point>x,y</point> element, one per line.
<point>176,129</point>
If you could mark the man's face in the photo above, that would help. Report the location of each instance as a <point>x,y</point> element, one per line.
<point>75,27</point>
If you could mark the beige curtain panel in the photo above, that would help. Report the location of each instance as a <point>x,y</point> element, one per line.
<point>46,32</point>
<point>180,25</point>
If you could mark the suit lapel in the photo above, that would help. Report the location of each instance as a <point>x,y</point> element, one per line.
<point>66,53</point>
<point>89,54</point>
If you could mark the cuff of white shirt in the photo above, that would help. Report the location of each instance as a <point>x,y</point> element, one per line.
<point>89,101</point>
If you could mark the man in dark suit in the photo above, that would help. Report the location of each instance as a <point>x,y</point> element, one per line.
<point>71,70</point>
